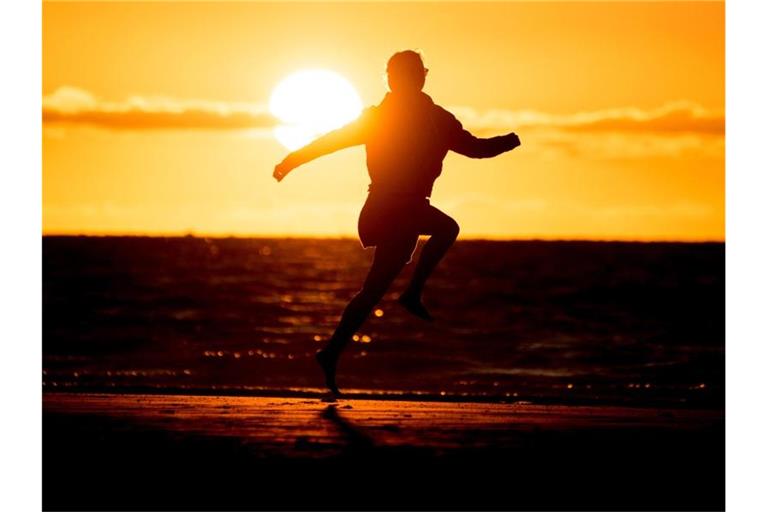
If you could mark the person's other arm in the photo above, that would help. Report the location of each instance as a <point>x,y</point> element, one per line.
<point>351,134</point>
<point>464,143</point>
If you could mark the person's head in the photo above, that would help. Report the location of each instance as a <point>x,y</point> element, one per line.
<point>406,72</point>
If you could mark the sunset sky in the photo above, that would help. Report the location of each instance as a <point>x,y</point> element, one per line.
<point>156,120</point>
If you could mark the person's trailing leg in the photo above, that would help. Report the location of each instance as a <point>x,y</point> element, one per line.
<point>388,261</point>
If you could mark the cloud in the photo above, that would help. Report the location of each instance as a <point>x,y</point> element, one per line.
<point>74,105</point>
<point>77,106</point>
<point>623,145</point>
<point>675,117</point>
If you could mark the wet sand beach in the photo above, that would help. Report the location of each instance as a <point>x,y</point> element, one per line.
<point>132,451</point>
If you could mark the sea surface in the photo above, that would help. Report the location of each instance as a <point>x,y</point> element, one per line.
<point>597,322</point>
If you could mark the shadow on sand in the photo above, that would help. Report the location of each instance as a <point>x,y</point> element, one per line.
<point>355,437</point>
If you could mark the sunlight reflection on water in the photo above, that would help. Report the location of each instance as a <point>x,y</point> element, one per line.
<point>517,317</point>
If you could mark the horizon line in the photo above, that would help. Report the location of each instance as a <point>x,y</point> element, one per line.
<point>292,236</point>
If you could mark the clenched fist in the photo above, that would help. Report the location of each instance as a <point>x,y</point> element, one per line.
<point>281,170</point>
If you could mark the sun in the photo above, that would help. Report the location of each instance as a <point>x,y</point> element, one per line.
<point>312,102</point>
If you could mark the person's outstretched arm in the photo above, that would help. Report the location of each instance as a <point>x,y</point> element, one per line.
<point>474,147</point>
<point>464,143</point>
<point>351,134</point>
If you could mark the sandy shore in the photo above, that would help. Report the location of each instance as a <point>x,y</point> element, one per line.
<point>104,451</point>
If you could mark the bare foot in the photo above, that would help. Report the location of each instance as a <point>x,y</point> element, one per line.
<point>327,362</point>
<point>412,303</point>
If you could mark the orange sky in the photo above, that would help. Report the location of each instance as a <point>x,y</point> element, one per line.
<point>155,115</point>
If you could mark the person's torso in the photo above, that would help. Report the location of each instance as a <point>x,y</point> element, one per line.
<point>406,144</point>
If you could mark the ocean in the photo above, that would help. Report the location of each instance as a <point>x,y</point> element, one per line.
<point>538,321</point>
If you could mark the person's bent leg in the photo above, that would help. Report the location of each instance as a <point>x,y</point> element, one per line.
<point>443,230</point>
<point>388,261</point>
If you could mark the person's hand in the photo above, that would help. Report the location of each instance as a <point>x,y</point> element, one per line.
<point>281,170</point>
<point>514,139</point>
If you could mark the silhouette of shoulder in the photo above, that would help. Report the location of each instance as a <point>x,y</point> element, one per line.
<point>449,126</point>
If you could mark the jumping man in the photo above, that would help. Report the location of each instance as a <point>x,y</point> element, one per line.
<point>406,138</point>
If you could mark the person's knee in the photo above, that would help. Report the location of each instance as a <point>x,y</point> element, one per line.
<point>451,229</point>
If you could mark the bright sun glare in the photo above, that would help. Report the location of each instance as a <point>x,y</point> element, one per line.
<point>310,103</point>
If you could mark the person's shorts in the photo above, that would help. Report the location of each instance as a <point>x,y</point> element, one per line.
<point>391,218</point>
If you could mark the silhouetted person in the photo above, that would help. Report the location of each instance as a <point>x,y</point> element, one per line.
<point>406,138</point>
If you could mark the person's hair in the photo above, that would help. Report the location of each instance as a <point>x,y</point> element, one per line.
<point>406,71</point>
